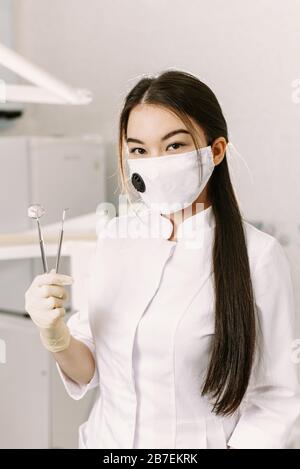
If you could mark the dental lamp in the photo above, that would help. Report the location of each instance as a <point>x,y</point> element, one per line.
<point>47,89</point>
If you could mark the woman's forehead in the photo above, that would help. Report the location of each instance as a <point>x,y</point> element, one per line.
<point>153,122</point>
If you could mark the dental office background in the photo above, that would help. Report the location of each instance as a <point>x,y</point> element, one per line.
<point>60,155</point>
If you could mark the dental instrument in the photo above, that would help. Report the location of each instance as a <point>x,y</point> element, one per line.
<point>60,239</point>
<point>36,211</point>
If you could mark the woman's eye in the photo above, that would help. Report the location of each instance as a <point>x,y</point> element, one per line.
<point>133,151</point>
<point>180,144</point>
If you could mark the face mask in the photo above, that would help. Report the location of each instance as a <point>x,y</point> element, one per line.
<point>173,182</point>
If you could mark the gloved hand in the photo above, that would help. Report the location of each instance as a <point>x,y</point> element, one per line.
<point>44,301</point>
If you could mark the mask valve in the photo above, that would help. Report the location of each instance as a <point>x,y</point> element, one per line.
<point>138,182</point>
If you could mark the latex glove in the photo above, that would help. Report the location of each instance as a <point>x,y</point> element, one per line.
<point>44,301</point>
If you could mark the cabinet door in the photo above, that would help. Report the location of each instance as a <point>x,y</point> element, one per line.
<point>14,188</point>
<point>14,185</point>
<point>35,409</point>
<point>24,386</point>
<point>75,166</point>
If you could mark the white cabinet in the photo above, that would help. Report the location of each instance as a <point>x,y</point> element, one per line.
<point>35,410</point>
<point>57,172</point>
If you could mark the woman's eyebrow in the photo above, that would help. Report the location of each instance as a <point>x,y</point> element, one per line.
<point>170,134</point>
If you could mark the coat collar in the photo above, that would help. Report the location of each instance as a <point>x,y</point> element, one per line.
<point>193,226</point>
<point>147,223</point>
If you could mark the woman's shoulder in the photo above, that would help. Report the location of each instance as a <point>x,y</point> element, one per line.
<point>262,246</point>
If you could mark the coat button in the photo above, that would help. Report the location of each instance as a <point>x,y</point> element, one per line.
<point>138,182</point>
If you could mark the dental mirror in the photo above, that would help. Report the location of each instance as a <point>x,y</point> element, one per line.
<point>35,212</point>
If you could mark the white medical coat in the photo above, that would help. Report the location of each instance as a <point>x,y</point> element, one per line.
<point>150,324</point>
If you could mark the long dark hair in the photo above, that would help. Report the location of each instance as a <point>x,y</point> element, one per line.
<point>234,341</point>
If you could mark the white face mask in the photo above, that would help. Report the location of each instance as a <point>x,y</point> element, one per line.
<point>172,182</point>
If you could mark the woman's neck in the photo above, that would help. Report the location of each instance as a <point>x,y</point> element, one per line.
<point>178,217</point>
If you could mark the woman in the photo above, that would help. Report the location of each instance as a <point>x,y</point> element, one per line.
<point>191,315</point>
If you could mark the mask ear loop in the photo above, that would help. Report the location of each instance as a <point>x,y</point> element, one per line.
<point>231,150</point>
<point>200,164</point>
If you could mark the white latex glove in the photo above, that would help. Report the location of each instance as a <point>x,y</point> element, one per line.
<point>44,301</point>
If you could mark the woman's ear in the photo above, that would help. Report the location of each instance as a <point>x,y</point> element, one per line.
<point>218,149</point>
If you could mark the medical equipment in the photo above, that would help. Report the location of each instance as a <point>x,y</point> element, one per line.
<point>48,90</point>
<point>36,212</point>
<point>60,240</point>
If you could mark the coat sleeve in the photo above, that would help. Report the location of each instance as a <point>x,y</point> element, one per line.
<point>79,325</point>
<point>271,405</point>
<point>79,328</point>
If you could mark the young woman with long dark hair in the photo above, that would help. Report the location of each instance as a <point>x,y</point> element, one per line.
<point>191,317</point>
